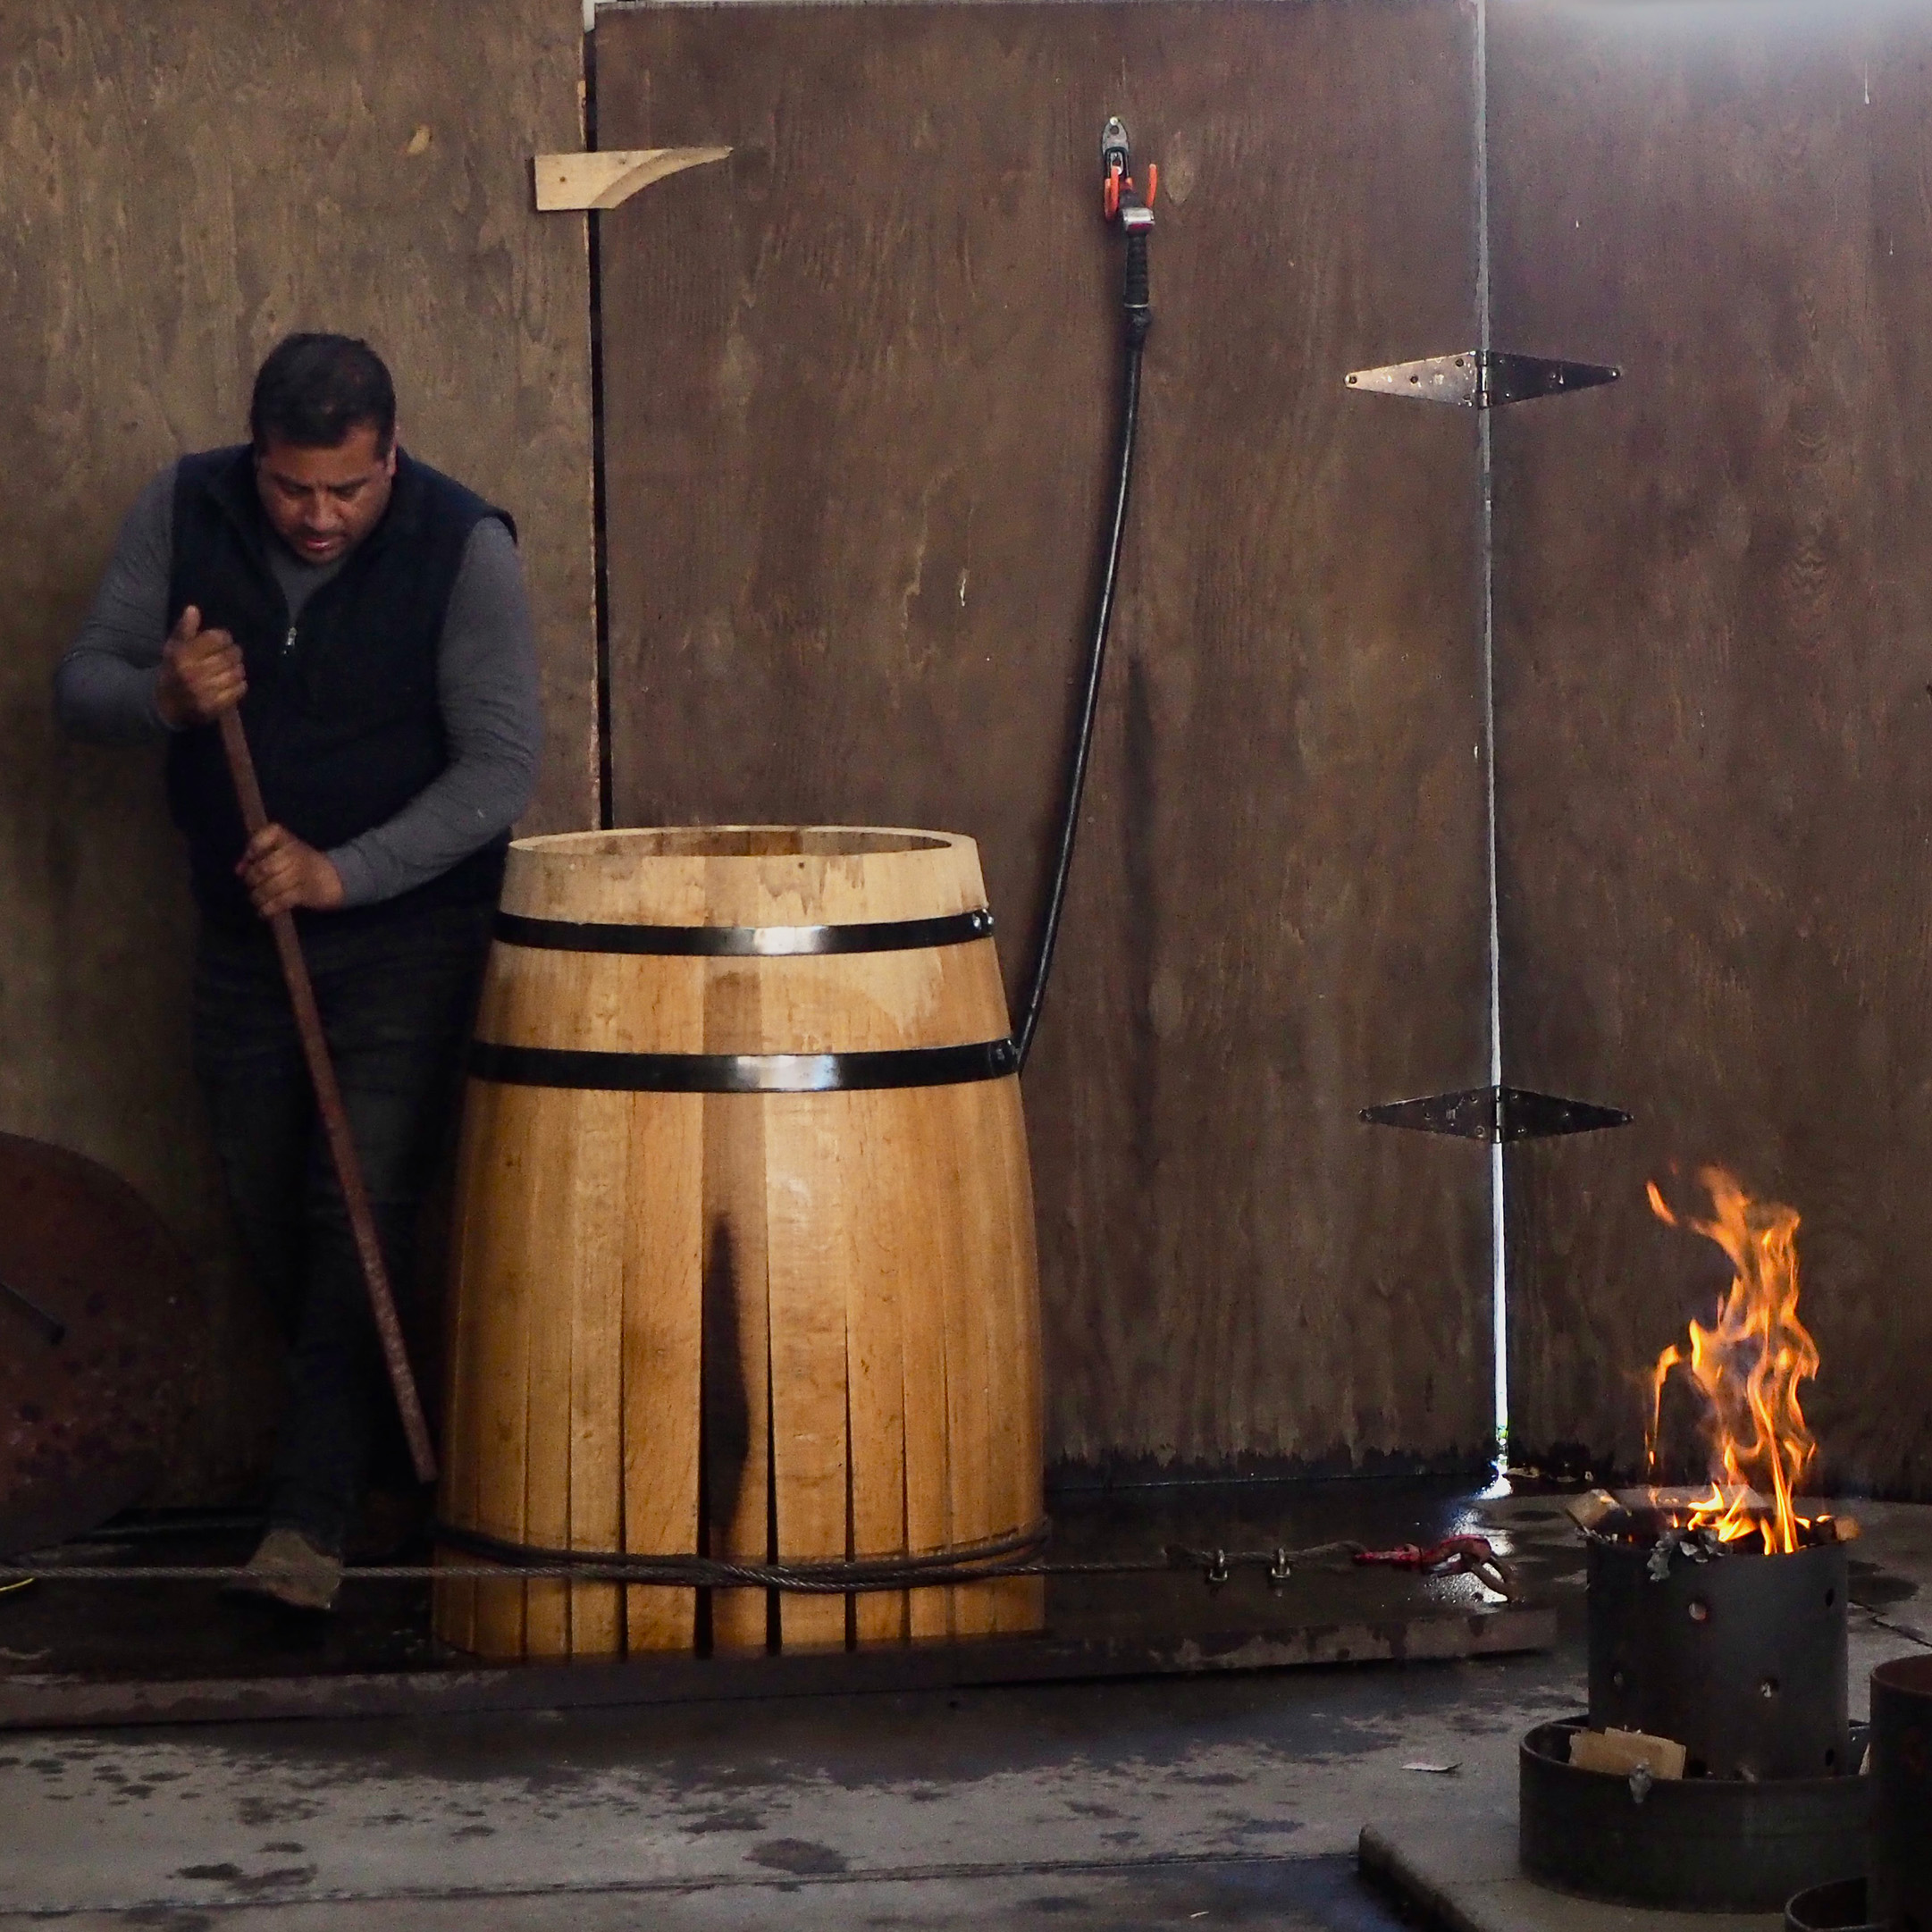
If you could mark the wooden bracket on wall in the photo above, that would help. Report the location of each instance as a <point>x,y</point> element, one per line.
<point>604,180</point>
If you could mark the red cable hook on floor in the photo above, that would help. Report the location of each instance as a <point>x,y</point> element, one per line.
<point>1471,1556</point>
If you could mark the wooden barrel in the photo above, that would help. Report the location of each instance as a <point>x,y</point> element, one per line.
<point>744,1261</point>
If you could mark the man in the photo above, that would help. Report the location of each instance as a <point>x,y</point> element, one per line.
<point>367,616</point>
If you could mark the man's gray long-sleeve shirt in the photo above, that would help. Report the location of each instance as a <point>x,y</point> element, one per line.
<point>486,689</point>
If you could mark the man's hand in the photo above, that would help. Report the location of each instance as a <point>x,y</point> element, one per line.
<point>201,674</point>
<point>282,873</point>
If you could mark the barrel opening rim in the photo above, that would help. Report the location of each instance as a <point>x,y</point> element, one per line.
<point>740,841</point>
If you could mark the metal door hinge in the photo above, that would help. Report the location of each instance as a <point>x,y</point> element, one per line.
<point>1482,378</point>
<point>1496,1114</point>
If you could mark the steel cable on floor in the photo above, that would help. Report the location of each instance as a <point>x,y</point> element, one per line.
<point>836,1578</point>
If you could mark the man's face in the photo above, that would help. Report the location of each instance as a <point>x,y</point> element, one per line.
<point>323,502</point>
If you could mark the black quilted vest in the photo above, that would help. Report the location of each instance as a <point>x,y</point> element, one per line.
<point>341,711</point>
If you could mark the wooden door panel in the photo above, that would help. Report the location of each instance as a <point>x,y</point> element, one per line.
<point>860,385</point>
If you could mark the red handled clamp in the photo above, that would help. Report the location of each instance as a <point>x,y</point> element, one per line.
<point>1118,187</point>
<point>1471,1556</point>
<point>1119,200</point>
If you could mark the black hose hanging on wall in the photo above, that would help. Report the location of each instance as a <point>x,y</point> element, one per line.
<point>1136,216</point>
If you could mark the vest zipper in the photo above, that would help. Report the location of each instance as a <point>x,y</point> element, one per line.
<point>288,642</point>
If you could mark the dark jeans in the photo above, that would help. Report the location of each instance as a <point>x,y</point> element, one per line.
<point>396,999</point>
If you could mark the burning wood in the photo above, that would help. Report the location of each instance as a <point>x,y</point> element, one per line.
<point>1747,1369</point>
<point>1712,1771</point>
<point>1688,1518</point>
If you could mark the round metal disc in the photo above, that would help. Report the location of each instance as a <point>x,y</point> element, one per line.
<point>99,1334</point>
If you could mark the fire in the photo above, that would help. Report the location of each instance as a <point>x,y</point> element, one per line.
<point>1748,1368</point>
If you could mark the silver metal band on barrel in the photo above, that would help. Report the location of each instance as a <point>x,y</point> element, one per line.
<point>742,1074</point>
<point>744,941</point>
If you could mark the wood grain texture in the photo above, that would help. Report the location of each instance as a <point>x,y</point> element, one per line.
<point>663,1359</point>
<point>545,1220</point>
<point>607,181</point>
<point>798,1325</point>
<point>486,1427</point>
<point>875,1379</point>
<point>860,385</point>
<point>598,1269</point>
<point>1714,596</point>
<point>736,1503</point>
<point>809,1204</point>
<point>183,187</point>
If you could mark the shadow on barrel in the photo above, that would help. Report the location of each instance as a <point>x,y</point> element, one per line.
<point>725,1427</point>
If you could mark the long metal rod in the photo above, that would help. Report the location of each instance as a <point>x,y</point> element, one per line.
<point>1486,485</point>
<point>334,1121</point>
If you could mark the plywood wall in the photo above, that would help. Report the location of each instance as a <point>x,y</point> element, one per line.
<point>1714,638</point>
<point>183,185</point>
<point>860,383</point>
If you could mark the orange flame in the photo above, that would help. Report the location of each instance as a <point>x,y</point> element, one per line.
<point>1748,1368</point>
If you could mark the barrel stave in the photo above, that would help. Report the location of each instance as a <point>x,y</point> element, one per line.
<point>874,1295</point>
<point>1014,1276</point>
<point>601,1232</point>
<point>810,1318</point>
<point>662,1352</point>
<point>737,1355</point>
<point>817,1221</point>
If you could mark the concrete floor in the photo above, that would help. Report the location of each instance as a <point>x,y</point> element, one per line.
<point>1225,1801</point>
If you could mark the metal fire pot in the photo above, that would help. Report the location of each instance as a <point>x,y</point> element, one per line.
<point>1741,1659</point>
<point>1898,1895</point>
<point>1686,1844</point>
<point>1901,1793</point>
<point>1837,1907</point>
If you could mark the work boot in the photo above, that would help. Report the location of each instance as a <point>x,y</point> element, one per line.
<point>290,1570</point>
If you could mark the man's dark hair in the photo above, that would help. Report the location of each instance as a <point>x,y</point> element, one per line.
<point>314,390</point>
